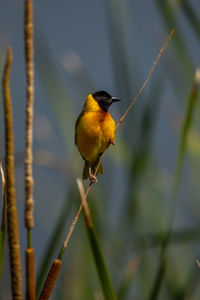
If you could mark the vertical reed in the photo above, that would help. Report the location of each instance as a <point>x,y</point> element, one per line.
<point>29,220</point>
<point>12,216</point>
<point>3,220</point>
<point>29,182</point>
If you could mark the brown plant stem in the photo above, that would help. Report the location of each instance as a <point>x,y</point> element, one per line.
<point>3,221</point>
<point>12,216</point>
<point>84,202</point>
<point>51,280</point>
<point>29,182</point>
<point>29,203</point>
<point>148,77</point>
<point>3,217</point>
<point>64,246</point>
<point>30,274</point>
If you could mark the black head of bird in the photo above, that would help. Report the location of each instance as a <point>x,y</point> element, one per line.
<point>104,99</point>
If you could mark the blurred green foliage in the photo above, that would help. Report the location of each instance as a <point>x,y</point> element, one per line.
<point>131,205</point>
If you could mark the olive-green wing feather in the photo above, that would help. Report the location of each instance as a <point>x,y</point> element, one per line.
<point>76,125</point>
<point>77,122</point>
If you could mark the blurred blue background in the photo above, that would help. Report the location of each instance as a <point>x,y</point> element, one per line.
<point>80,47</point>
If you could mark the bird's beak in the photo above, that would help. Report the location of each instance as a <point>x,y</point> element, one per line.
<point>114,99</point>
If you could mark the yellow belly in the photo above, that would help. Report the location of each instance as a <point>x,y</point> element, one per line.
<point>94,131</point>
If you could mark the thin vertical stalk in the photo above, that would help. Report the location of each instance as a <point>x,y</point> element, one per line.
<point>3,221</point>
<point>12,216</point>
<point>29,220</point>
<point>29,182</point>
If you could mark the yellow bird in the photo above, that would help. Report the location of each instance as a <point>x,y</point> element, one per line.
<point>95,131</point>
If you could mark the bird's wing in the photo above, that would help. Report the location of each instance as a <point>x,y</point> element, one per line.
<point>76,125</point>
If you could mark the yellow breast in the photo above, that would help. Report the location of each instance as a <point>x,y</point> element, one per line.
<point>94,130</point>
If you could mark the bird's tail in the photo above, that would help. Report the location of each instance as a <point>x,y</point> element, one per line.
<point>93,167</point>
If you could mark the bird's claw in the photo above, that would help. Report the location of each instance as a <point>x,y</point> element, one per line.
<point>93,178</point>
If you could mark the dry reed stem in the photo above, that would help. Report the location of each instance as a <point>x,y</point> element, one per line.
<point>29,182</point>
<point>71,229</point>
<point>84,202</point>
<point>29,203</point>
<point>148,77</point>
<point>3,219</point>
<point>75,219</point>
<point>120,121</point>
<point>51,280</point>
<point>30,274</point>
<point>12,216</point>
<point>72,226</point>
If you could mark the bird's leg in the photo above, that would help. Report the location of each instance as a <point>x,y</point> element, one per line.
<point>92,178</point>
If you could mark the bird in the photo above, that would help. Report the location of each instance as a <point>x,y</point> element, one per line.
<point>95,131</point>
